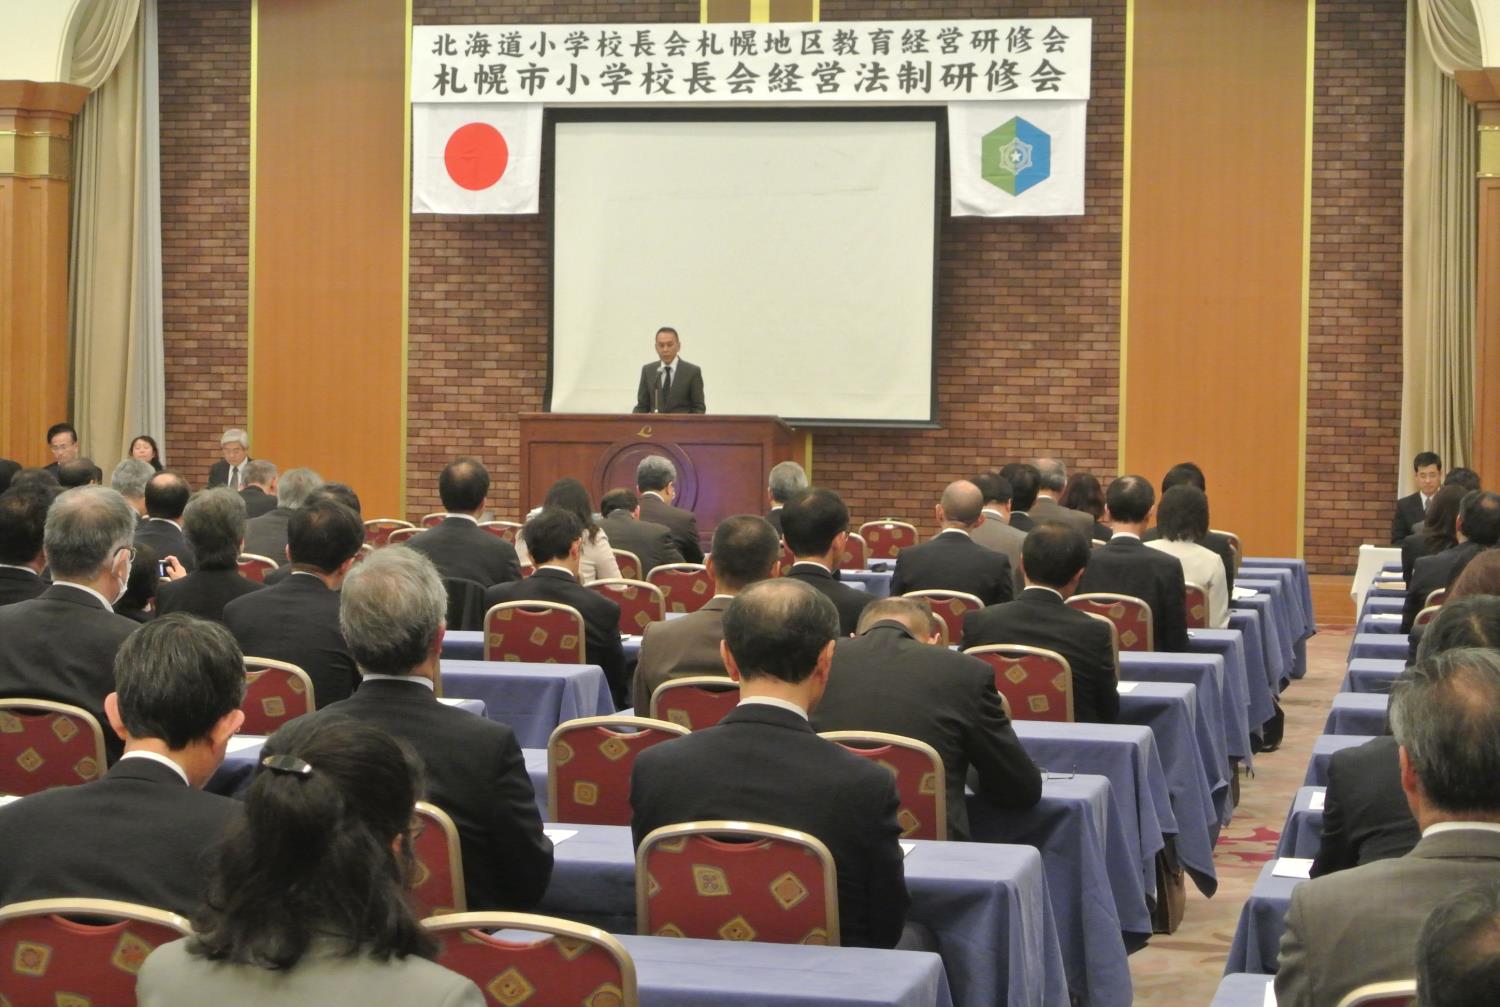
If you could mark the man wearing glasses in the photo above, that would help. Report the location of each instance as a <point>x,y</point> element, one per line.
<point>62,440</point>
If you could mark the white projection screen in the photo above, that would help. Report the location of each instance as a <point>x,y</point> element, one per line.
<point>793,252</point>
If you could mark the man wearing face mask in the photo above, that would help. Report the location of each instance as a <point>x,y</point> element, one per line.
<point>61,645</point>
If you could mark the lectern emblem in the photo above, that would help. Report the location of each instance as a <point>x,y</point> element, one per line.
<point>645,431</point>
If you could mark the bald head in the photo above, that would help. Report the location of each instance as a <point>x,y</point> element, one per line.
<point>961,504</point>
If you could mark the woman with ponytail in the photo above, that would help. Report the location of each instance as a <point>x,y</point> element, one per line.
<point>306,900</point>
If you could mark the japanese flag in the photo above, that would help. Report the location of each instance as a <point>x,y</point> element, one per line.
<point>481,158</point>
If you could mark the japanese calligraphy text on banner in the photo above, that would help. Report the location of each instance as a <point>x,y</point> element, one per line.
<point>862,61</point>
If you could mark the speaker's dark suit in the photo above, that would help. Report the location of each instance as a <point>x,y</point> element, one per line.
<point>1127,566</point>
<point>680,648</point>
<point>951,561</point>
<point>681,523</point>
<point>765,764</point>
<point>297,621</point>
<point>1410,513</point>
<point>1020,519</point>
<point>266,535</point>
<point>1365,814</point>
<point>1214,542</point>
<point>61,646</point>
<point>138,835</point>
<point>1039,618</point>
<point>651,542</point>
<point>475,772</point>
<point>257,501</point>
<point>460,549</point>
<point>204,593</point>
<point>601,618</point>
<point>887,681</point>
<point>218,473</point>
<point>685,395</point>
<point>850,601</point>
<point>168,540</point>
<point>1432,572</point>
<point>19,585</point>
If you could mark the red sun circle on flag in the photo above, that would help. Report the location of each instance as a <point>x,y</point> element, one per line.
<point>476,156</point>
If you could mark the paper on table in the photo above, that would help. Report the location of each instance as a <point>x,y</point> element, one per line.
<point>1293,867</point>
<point>240,742</point>
<point>1270,1000</point>
<point>1241,593</point>
<point>1394,617</point>
<point>1316,804</point>
<point>558,835</point>
<point>450,700</point>
<point>906,848</point>
<point>1125,687</point>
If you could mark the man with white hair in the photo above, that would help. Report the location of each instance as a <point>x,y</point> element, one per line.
<point>129,479</point>
<point>786,480</point>
<point>656,480</point>
<point>230,470</point>
<point>266,535</point>
<point>259,491</point>
<point>1054,479</point>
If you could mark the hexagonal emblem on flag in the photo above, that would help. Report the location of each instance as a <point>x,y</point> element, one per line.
<point>1015,156</point>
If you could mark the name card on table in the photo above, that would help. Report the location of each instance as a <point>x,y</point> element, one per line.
<point>1293,867</point>
<point>558,835</point>
<point>1316,804</point>
<point>1124,688</point>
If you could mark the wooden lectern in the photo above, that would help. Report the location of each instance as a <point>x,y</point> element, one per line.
<point>722,461</point>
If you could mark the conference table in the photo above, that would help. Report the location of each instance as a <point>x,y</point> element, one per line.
<point>1357,713</point>
<point>1279,650</point>
<point>1242,989</point>
<point>1368,674</point>
<point>1323,748</point>
<point>1238,701</point>
<point>1379,646</point>
<point>1378,622</point>
<point>1294,595</point>
<point>531,698</point>
<point>1262,680</point>
<point>1262,921</point>
<point>1302,833</point>
<point>1374,560</point>
<point>1217,734</point>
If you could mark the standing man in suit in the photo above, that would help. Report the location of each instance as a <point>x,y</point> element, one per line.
<point>1478,530</point>
<point>62,441</point>
<point>1126,566</point>
<point>129,479</point>
<point>166,497</point>
<point>815,525</point>
<point>745,551</point>
<point>651,543</point>
<point>1427,474</point>
<point>656,481</point>
<point>214,523</point>
<point>391,609</point>
<point>764,763</point>
<point>140,834</point>
<point>23,523</point>
<point>786,480</point>
<point>1025,483</point>
<point>672,385</point>
<point>259,492</point>
<point>1055,557</point>
<point>266,535</point>
<point>61,644</point>
<point>995,531</point>
<point>297,620</point>
<point>1361,925</point>
<point>951,560</point>
<point>555,537</point>
<point>895,678</point>
<point>230,470</point>
<point>1052,480</point>
<point>458,546</point>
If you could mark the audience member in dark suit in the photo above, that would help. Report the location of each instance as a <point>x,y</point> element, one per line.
<point>672,385</point>
<point>9,469</point>
<point>1083,493</point>
<point>1458,962</point>
<point>1189,474</point>
<point>1025,483</point>
<point>23,522</point>
<point>1437,532</point>
<point>459,548</point>
<point>1053,479</point>
<point>951,560</point>
<point>895,678</point>
<point>79,472</point>
<point>139,834</point>
<point>215,525</point>
<point>555,537</point>
<point>1055,559</point>
<point>815,525</point>
<point>1427,469</point>
<point>1126,566</point>
<point>138,603</point>
<point>1478,530</point>
<point>62,440</point>
<point>656,482</point>
<point>650,542</point>
<point>61,644</point>
<point>1465,477</point>
<point>230,470</point>
<point>259,492</point>
<point>166,497</point>
<point>391,609</point>
<point>297,621</point>
<point>995,531</point>
<point>129,479</point>
<point>267,535</point>
<point>763,763</point>
<point>785,481</point>
<point>745,550</point>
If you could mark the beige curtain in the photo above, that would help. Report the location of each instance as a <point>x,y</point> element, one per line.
<point>1438,317</point>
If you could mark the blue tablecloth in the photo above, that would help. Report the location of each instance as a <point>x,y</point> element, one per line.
<point>1303,831</point>
<point>1206,673</point>
<point>463,645</point>
<point>1323,749</point>
<point>876,582</point>
<point>1377,622</point>
<point>1382,606</point>
<point>532,698</point>
<point>1262,920</point>
<point>1229,644</point>
<point>987,905</point>
<point>1381,646</point>
<point>1275,625</point>
<point>1241,989</point>
<point>1357,713</point>
<point>1293,573</point>
<point>1263,682</point>
<point>1372,674</point>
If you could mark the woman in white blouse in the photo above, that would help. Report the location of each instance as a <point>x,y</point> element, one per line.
<point>1182,519</point>
<point>596,557</point>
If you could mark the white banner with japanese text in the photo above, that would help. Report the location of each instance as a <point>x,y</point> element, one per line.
<point>1017,158</point>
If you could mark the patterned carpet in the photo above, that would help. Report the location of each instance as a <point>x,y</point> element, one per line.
<point>1183,970</point>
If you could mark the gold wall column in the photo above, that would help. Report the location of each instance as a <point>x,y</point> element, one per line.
<point>1482,87</point>
<point>36,122</point>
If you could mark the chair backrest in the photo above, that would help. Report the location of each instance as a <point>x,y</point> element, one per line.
<point>1396,993</point>
<point>887,537</point>
<point>254,567</point>
<point>629,563</point>
<point>589,762</point>
<point>687,587</point>
<point>1197,606</point>
<point>695,702</point>
<point>1114,639</point>
<point>1038,682</point>
<point>275,692</point>
<point>378,530</point>
<point>568,963</point>
<point>1235,548</point>
<point>1131,616</point>
<point>507,530</point>
<point>918,771</point>
<point>399,535</point>
<point>736,881</point>
<point>44,744</point>
<point>438,888</point>
<point>534,632</point>
<point>856,552</point>
<point>434,519</point>
<point>951,607</point>
<point>1426,615</point>
<point>48,957</point>
<point>465,604</point>
<point>1436,598</point>
<point>640,603</point>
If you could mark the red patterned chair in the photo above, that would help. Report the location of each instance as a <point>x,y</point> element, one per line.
<point>566,964</point>
<point>378,530</point>
<point>1436,598</point>
<point>434,519</point>
<point>399,535</point>
<point>687,587</point>
<point>534,632</point>
<point>589,762</point>
<point>49,959</point>
<point>629,564</point>
<point>1037,683</point>
<point>887,537</point>
<point>1426,615</point>
<point>1396,993</point>
<point>275,692</point>
<point>640,603</point>
<point>1131,616</point>
<point>1197,606</point>
<point>438,888</point>
<point>1236,550</point>
<point>918,771</point>
<point>507,530</point>
<point>951,607</point>
<point>856,552</point>
<point>736,881</point>
<point>253,567</point>
<point>1114,639</point>
<point>45,744</point>
<point>695,702</point>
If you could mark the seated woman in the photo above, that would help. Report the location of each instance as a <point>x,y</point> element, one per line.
<point>596,559</point>
<point>1182,519</point>
<point>1084,493</point>
<point>1437,532</point>
<point>144,448</point>
<point>306,903</point>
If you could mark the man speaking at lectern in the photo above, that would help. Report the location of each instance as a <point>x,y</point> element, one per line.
<point>673,385</point>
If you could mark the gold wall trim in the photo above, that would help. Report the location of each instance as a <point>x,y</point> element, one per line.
<point>250,254</point>
<point>1307,195</point>
<point>1125,232</point>
<point>405,269</point>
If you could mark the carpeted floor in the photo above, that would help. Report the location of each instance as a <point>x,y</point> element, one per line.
<point>1183,970</point>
